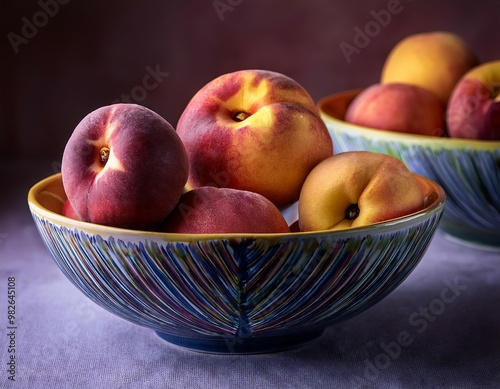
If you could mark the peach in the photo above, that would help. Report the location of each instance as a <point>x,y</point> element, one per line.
<point>398,107</point>
<point>474,108</point>
<point>432,60</point>
<point>68,211</point>
<point>357,188</point>
<point>253,130</point>
<point>124,166</point>
<point>210,210</point>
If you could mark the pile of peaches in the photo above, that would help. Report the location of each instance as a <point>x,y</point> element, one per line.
<point>433,84</point>
<point>248,144</point>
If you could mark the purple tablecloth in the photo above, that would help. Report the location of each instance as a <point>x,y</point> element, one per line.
<point>439,329</point>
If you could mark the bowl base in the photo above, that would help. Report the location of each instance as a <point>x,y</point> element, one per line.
<point>484,240</point>
<point>241,346</point>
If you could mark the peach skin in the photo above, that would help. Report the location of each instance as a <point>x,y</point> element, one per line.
<point>124,166</point>
<point>398,107</point>
<point>474,107</point>
<point>433,60</point>
<point>357,188</point>
<point>211,210</point>
<point>253,130</point>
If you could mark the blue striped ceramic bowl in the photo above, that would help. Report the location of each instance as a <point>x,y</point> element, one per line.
<point>468,170</point>
<point>234,293</point>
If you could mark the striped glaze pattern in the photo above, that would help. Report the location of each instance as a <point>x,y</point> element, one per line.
<point>238,288</point>
<point>471,178</point>
<point>234,293</point>
<point>469,175</point>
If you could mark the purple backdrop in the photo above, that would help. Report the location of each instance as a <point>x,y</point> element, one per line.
<point>61,59</point>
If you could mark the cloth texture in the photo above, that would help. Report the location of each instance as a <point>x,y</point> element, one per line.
<point>439,329</point>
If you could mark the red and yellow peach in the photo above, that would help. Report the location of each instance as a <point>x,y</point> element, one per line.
<point>358,188</point>
<point>474,107</point>
<point>258,130</point>
<point>125,166</point>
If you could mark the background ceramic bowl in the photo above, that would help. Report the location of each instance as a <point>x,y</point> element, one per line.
<point>234,293</point>
<point>468,170</point>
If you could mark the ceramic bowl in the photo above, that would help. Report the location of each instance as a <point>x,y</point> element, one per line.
<point>235,293</point>
<point>468,170</point>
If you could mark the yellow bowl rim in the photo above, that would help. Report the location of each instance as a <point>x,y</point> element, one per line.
<point>109,231</point>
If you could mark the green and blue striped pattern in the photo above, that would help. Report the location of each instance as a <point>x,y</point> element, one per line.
<point>240,294</point>
<point>469,176</point>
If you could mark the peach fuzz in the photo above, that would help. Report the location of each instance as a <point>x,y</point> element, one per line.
<point>68,211</point>
<point>211,210</point>
<point>358,188</point>
<point>124,166</point>
<point>254,130</point>
<point>398,107</point>
<point>433,60</point>
<point>474,107</point>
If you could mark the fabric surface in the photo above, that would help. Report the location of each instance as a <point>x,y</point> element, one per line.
<point>439,329</point>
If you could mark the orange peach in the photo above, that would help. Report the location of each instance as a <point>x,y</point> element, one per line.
<point>254,130</point>
<point>209,210</point>
<point>358,188</point>
<point>398,107</point>
<point>432,60</point>
<point>124,166</point>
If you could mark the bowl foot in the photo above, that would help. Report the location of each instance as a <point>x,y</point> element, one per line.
<point>239,346</point>
<point>480,239</point>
